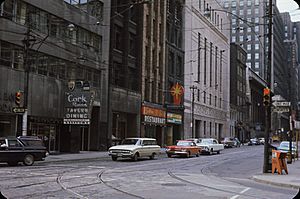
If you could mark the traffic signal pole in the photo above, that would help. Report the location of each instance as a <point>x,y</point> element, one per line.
<point>26,43</point>
<point>267,165</point>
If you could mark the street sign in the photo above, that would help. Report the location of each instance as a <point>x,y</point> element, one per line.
<point>285,104</point>
<point>281,109</point>
<point>18,109</point>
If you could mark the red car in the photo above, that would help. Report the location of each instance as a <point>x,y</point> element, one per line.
<point>185,148</point>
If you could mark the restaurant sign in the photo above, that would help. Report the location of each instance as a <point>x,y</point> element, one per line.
<point>153,115</point>
<point>77,107</point>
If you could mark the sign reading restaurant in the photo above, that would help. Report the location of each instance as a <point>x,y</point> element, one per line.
<point>77,107</point>
<point>153,115</point>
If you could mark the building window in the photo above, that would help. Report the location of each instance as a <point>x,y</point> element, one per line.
<point>256,46</point>
<point>248,11</point>
<point>118,38</point>
<point>199,57</point>
<point>256,65</point>
<point>132,44</point>
<point>205,60</point>
<point>204,128</point>
<point>249,56</point>
<point>226,4</point>
<point>241,38</point>
<point>233,39</point>
<point>256,55</point>
<point>249,2</point>
<point>210,64</point>
<point>249,47</point>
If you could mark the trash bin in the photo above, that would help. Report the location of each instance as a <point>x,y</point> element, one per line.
<point>279,162</point>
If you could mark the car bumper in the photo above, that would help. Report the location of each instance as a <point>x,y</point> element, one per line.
<point>177,152</point>
<point>121,155</point>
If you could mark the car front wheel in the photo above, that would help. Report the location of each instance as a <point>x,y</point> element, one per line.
<point>153,156</point>
<point>28,160</point>
<point>135,157</point>
<point>114,158</point>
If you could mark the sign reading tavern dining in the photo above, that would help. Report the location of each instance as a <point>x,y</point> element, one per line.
<point>77,107</point>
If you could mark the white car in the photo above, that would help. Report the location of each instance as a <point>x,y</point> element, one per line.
<point>210,145</point>
<point>134,148</point>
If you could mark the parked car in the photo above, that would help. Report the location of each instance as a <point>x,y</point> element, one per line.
<point>210,145</point>
<point>185,148</point>
<point>228,142</point>
<point>26,149</point>
<point>237,142</point>
<point>285,147</point>
<point>261,140</point>
<point>135,148</point>
<point>253,141</point>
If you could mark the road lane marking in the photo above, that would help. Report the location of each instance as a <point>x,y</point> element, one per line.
<point>236,196</point>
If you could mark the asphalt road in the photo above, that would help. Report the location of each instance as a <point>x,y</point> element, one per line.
<point>226,175</point>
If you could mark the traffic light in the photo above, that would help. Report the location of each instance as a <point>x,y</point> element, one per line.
<point>18,98</point>
<point>267,97</point>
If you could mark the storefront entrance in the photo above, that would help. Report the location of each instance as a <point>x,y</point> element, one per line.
<point>48,133</point>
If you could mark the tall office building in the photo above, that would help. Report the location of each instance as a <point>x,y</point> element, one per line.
<point>250,19</point>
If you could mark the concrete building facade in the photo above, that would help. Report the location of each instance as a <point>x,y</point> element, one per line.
<point>207,71</point>
<point>48,47</point>
<point>153,112</point>
<point>239,103</point>
<point>125,70</point>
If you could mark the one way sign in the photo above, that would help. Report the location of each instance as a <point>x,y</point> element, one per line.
<point>18,109</point>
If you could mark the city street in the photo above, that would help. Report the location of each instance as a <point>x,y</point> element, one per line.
<point>226,175</point>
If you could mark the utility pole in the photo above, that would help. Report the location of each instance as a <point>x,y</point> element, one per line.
<point>27,40</point>
<point>267,165</point>
<point>193,88</point>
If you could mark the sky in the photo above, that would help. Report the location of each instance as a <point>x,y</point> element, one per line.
<point>291,7</point>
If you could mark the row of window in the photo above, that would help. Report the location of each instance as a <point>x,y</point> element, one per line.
<point>241,3</point>
<point>208,99</point>
<point>12,56</point>
<point>204,126</point>
<point>51,25</point>
<point>92,7</point>
<point>206,69</point>
<point>243,38</point>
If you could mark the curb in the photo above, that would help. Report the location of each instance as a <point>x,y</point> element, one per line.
<point>66,160</point>
<point>275,183</point>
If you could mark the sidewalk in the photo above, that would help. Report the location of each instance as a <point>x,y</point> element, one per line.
<point>83,155</point>
<point>290,180</point>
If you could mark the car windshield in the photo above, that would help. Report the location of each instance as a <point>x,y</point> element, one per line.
<point>286,145</point>
<point>129,141</point>
<point>184,143</point>
<point>206,141</point>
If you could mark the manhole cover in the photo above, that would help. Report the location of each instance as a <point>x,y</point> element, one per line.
<point>173,184</point>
